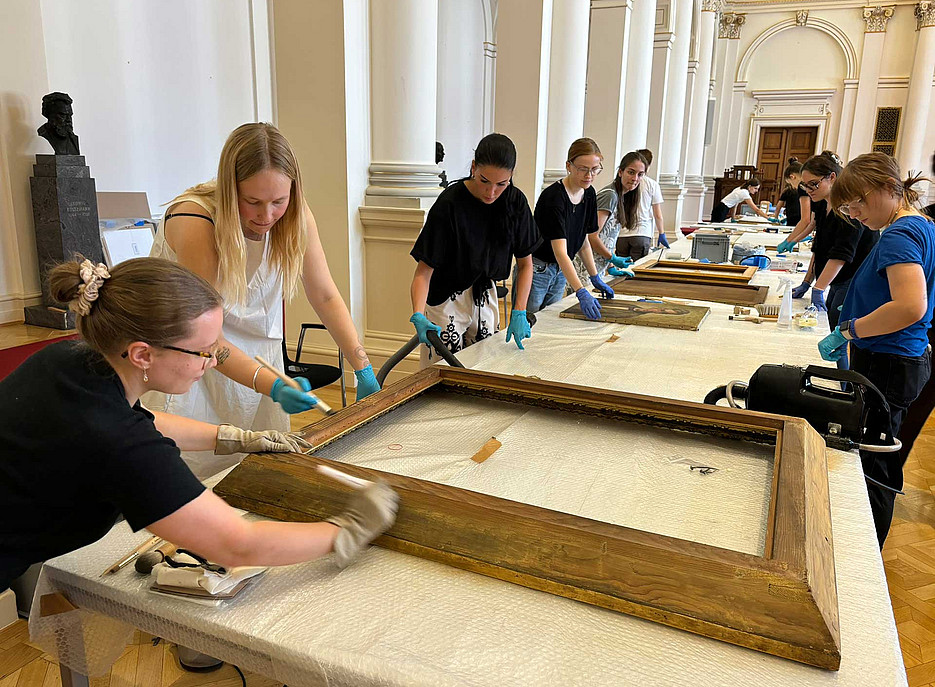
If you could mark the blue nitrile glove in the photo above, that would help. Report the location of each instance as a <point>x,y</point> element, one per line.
<point>423,325</point>
<point>833,347</point>
<point>598,283</point>
<point>785,246</point>
<point>519,328</point>
<point>614,272</point>
<point>292,400</point>
<point>589,305</point>
<point>818,300</point>
<point>663,241</point>
<point>802,289</point>
<point>366,382</point>
<point>619,261</point>
<point>705,260</point>
<point>774,220</point>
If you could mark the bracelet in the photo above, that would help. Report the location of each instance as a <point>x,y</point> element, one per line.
<point>852,328</point>
<point>258,368</point>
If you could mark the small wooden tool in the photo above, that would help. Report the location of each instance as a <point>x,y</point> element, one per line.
<point>148,545</point>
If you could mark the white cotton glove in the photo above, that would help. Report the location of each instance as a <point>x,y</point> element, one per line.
<point>235,440</point>
<point>371,511</point>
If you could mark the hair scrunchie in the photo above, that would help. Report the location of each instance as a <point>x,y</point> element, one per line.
<point>93,276</point>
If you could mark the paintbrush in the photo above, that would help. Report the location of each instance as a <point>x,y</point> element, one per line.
<point>289,381</point>
<point>146,546</point>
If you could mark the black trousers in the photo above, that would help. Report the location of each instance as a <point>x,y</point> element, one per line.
<point>900,378</point>
<point>719,212</point>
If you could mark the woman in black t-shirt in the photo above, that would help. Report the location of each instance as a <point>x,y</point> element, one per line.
<point>77,448</point>
<point>840,244</point>
<point>566,213</point>
<point>793,197</point>
<point>472,233</point>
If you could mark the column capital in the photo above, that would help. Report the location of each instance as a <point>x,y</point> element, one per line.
<point>712,5</point>
<point>876,18</point>
<point>730,25</point>
<point>925,14</point>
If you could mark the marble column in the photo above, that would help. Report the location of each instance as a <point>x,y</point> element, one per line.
<point>912,155</point>
<point>522,86</point>
<point>729,28</point>
<point>865,105</point>
<point>694,179</point>
<point>670,164</point>
<point>638,77</point>
<point>403,67</point>
<point>567,71</point>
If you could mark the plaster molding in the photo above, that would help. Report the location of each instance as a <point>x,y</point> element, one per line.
<point>730,25</point>
<point>801,18</point>
<point>817,24</point>
<point>876,18</point>
<point>712,5</point>
<point>925,14</point>
<point>611,4</point>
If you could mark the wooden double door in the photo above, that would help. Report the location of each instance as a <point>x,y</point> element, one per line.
<point>777,145</point>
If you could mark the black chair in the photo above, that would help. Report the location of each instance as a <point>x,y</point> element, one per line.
<point>317,375</point>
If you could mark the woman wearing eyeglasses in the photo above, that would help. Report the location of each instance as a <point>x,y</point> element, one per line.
<point>472,233</point>
<point>251,235</point>
<point>888,309</point>
<point>566,213</point>
<point>742,194</point>
<point>77,448</point>
<point>625,214</point>
<point>840,245</point>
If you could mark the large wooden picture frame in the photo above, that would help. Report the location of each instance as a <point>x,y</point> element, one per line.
<point>731,294</point>
<point>696,272</point>
<point>783,602</point>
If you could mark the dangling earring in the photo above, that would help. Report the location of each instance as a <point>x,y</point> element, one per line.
<point>145,376</point>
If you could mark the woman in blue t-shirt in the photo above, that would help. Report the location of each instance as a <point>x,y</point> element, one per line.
<point>888,308</point>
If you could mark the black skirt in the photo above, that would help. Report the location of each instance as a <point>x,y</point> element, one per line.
<point>719,213</point>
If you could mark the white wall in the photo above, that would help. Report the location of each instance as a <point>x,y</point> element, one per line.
<point>792,57</point>
<point>157,89</point>
<point>460,115</point>
<point>157,86</point>
<point>23,82</point>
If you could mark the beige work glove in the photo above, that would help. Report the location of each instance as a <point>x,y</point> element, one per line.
<point>235,440</point>
<point>370,512</point>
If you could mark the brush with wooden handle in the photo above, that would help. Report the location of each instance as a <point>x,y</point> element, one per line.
<point>289,381</point>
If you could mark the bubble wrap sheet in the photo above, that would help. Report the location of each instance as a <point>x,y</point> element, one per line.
<point>393,619</point>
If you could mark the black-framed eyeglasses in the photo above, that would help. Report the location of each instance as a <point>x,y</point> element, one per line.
<point>207,355</point>
<point>813,185</point>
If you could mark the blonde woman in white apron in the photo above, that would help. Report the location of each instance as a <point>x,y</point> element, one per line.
<point>251,234</point>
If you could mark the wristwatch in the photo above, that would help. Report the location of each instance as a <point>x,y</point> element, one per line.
<point>847,330</point>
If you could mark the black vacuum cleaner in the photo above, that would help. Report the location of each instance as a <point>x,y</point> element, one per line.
<point>410,346</point>
<point>837,403</point>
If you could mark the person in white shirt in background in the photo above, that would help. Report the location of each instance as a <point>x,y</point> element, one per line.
<point>730,202</point>
<point>646,228</point>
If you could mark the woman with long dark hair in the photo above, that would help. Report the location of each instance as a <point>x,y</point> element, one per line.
<point>841,243</point>
<point>887,312</point>
<point>472,233</point>
<point>743,194</point>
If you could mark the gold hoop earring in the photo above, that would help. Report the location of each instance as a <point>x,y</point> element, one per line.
<point>145,376</point>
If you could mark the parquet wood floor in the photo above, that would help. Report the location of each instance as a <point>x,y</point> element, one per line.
<point>908,557</point>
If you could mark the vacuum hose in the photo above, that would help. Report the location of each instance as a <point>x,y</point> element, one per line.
<point>409,346</point>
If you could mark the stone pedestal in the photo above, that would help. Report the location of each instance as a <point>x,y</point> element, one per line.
<point>64,206</point>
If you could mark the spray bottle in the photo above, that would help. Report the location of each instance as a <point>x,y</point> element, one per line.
<point>785,309</point>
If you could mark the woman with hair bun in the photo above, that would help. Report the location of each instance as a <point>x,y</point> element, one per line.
<point>78,449</point>
<point>251,234</point>
<point>887,312</point>
<point>472,233</point>
<point>794,199</point>
<point>840,245</point>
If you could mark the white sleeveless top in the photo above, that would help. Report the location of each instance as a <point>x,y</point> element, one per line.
<point>256,328</point>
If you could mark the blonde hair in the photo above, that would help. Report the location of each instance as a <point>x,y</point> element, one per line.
<point>871,171</point>
<point>583,146</point>
<point>144,299</point>
<point>250,149</point>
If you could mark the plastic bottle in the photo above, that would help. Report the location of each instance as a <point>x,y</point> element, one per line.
<point>785,309</point>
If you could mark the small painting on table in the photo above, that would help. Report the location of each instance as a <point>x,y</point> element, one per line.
<point>663,314</point>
